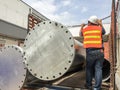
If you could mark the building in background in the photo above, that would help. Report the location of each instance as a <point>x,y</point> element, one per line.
<point>16,19</point>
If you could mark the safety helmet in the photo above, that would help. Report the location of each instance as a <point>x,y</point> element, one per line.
<point>93,19</point>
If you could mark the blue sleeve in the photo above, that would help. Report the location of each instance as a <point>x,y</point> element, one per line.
<point>103,31</point>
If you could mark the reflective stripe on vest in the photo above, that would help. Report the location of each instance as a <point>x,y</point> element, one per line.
<point>92,37</point>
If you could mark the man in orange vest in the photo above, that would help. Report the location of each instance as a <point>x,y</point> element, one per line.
<point>92,34</point>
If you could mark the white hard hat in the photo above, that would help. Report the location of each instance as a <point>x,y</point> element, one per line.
<point>93,19</point>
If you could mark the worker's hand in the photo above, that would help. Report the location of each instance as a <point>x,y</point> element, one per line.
<point>99,21</point>
<point>82,25</point>
<point>80,32</point>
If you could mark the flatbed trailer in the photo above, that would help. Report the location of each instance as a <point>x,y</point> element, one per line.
<point>75,81</point>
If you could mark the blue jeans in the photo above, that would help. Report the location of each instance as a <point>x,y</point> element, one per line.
<point>94,64</point>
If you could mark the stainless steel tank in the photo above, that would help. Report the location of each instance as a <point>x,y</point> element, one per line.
<point>12,69</point>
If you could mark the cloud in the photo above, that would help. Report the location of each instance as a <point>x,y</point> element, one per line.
<point>70,12</point>
<point>45,7</point>
<point>66,2</point>
<point>64,17</point>
<point>84,9</point>
<point>48,8</point>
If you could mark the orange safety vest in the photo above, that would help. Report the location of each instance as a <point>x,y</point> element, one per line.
<point>92,37</point>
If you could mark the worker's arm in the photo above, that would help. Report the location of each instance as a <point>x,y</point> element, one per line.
<point>100,23</point>
<point>103,31</point>
<point>82,26</point>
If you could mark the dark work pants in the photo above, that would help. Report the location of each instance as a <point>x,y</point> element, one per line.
<point>94,64</point>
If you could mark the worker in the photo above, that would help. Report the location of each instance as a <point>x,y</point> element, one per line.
<point>92,34</point>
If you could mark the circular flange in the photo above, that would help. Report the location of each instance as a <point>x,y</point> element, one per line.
<point>49,50</point>
<point>12,69</point>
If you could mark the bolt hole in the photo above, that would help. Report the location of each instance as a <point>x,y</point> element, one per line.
<point>24,58</point>
<point>47,77</point>
<point>61,26</point>
<point>35,74</point>
<point>71,45</point>
<point>56,24</point>
<point>53,76</point>
<point>70,38</point>
<point>23,62</point>
<point>29,33</point>
<point>69,61</point>
<point>50,22</point>
<point>43,22</point>
<point>16,49</point>
<point>60,73</point>
<point>24,53</point>
<point>65,68</point>
<point>66,31</point>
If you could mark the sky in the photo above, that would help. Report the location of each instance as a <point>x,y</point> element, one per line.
<point>72,12</point>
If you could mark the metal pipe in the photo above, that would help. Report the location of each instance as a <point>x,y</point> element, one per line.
<point>12,69</point>
<point>50,48</point>
<point>106,70</point>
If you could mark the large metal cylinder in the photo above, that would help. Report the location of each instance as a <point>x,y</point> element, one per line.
<point>106,70</point>
<point>12,69</point>
<point>49,51</point>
